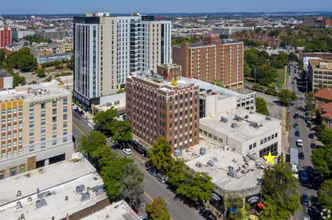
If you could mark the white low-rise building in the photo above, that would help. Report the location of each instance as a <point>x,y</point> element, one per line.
<point>243,131</point>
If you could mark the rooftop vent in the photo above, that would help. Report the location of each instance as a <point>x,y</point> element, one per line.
<point>198,164</point>
<point>18,205</point>
<point>232,173</point>
<point>210,163</point>
<point>223,119</point>
<point>253,124</point>
<point>117,102</point>
<point>85,196</point>
<point>268,118</point>
<point>237,118</point>
<point>246,117</point>
<point>251,112</point>
<point>44,194</point>
<point>233,125</point>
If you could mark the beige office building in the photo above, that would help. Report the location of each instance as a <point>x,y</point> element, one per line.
<point>36,127</point>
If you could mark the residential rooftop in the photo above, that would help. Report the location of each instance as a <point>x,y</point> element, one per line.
<point>243,131</point>
<point>4,73</point>
<point>36,92</point>
<point>222,160</point>
<point>325,93</point>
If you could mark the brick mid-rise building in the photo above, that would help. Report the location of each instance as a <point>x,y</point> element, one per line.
<point>5,36</point>
<point>157,108</point>
<point>317,22</point>
<point>215,60</point>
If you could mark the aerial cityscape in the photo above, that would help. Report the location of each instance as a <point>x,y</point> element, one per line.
<point>177,110</point>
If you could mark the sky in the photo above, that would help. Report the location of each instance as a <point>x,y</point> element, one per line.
<point>159,6</point>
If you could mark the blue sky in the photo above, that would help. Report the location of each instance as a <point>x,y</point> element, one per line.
<point>149,6</point>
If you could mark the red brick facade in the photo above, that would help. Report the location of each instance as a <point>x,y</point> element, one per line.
<point>5,36</point>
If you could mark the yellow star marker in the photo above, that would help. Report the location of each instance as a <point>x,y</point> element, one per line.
<point>269,158</point>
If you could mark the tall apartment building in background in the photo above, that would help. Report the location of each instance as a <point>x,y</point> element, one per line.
<point>213,60</point>
<point>36,127</point>
<point>108,49</point>
<point>5,36</point>
<point>317,22</point>
<point>157,108</point>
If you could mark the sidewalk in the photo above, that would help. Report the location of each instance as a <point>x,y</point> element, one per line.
<point>284,139</point>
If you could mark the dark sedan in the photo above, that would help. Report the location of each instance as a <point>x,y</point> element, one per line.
<point>296,125</point>
<point>311,136</point>
<point>207,214</point>
<point>296,116</point>
<point>304,199</point>
<point>313,145</point>
<point>297,133</point>
<point>301,155</point>
<point>309,125</point>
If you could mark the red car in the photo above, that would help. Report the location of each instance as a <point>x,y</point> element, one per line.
<point>187,201</point>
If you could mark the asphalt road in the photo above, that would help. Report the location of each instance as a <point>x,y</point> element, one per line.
<point>305,164</point>
<point>152,187</point>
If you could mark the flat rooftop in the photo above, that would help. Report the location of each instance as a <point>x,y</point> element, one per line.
<point>223,159</point>
<point>321,64</point>
<point>36,92</point>
<point>58,181</point>
<point>117,211</point>
<point>242,132</point>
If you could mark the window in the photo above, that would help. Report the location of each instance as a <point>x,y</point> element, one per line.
<point>54,135</point>
<point>13,171</point>
<point>272,136</point>
<point>265,139</point>
<point>15,118</point>
<point>64,139</point>
<point>20,134</point>
<point>54,119</point>
<point>31,116</point>
<point>31,133</point>
<point>43,122</point>
<point>250,146</point>
<point>31,124</point>
<point>20,109</point>
<point>43,114</point>
<point>54,111</point>
<point>3,129</point>
<point>43,129</point>
<point>254,145</point>
<point>20,150</point>
<point>31,141</point>
<point>221,140</point>
<point>15,110</point>
<point>22,168</point>
<point>20,117</point>
<point>9,128</point>
<point>64,109</point>
<point>43,145</point>
<point>3,111</point>
<point>9,111</point>
<point>53,104</point>
<point>31,148</point>
<point>54,127</point>
<point>269,138</point>
<point>2,174</point>
<point>3,138</point>
<point>65,101</point>
<point>15,143</point>
<point>276,135</point>
<point>64,124</point>
<point>32,108</point>
<point>9,119</point>
<point>43,106</point>
<point>54,142</point>
<point>3,146</point>
<point>65,132</point>
<point>65,117</point>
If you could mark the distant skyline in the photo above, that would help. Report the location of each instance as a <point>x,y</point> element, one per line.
<point>157,6</point>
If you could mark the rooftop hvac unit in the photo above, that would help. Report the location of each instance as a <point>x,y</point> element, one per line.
<point>85,196</point>
<point>43,194</point>
<point>108,104</point>
<point>268,118</point>
<point>232,173</point>
<point>198,164</point>
<point>251,112</point>
<point>253,124</point>
<point>237,118</point>
<point>209,91</point>
<point>117,102</point>
<point>40,203</point>
<point>201,90</point>
<point>177,152</point>
<point>202,151</point>
<point>210,163</point>
<point>18,205</point>
<point>80,188</point>
<point>223,119</point>
<point>246,117</point>
<point>233,125</point>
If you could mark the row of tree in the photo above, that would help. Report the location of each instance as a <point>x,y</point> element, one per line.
<point>22,60</point>
<point>17,79</point>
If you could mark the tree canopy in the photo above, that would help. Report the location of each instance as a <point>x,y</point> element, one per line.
<point>261,106</point>
<point>2,55</point>
<point>104,120</point>
<point>121,131</point>
<point>90,142</point>
<point>160,155</point>
<point>22,60</point>
<point>36,39</point>
<point>157,210</point>
<point>309,103</point>
<point>325,195</point>
<point>286,97</point>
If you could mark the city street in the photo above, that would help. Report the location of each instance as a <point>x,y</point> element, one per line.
<point>304,164</point>
<point>152,187</point>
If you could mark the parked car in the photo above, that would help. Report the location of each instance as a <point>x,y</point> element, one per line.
<point>311,136</point>
<point>304,199</point>
<point>153,172</point>
<point>313,145</point>
<point>187,201</point>
<point>307,120</point>
<point>301,155</point>
<point>126,151</point>
<point>307,114</point>
<point>304,176</point>
<point>296,126</point>
<point>296,116</point>
<point>297,133</point>
<point>309,125</point>
<point>207,214</point>
<point>161,179</point>
<point>147,164</point>
<point>299,143</point>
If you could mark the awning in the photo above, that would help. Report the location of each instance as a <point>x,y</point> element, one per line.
<point>260,205</point>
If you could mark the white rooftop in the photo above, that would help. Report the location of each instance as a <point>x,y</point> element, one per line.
<point>243,132</point>
<point>61,180</point>
<point>222,160</point>
<point>43,91</point>
<point>117,211</point>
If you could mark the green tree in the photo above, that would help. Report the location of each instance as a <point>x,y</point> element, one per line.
<point>325,195</point>
<point>261,106</point>
<point>104,120</point>
<point>287,96</point>
<point>13,58</point>
<point>121,131</point>
<point>309,103</point>
<point>90,142</point>
<point>40,72</point>
<point>265,74</point>
<point>58,64</point>
<point>157,210</point>
<point>293,57</point>
<point>198,188</point>
<point>104,154</point>
<point>36,39</point>
<point>26,62</point>
<point>24,50</point>
<point>322,161</point>
<point>279,193</point>
<point>179,173</point>
<point>2,55</point>
<point>247,69</point>
<point>242,210</point>
<point>217,82</point>
<point>18,80</point>
<point>71,62</point>
<point>122,178</point>
<point>160,154</point>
